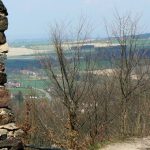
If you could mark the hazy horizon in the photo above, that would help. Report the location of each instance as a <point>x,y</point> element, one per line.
<point>31,19</point>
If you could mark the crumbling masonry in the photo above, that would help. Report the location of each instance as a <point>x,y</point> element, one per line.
<point>9,132</point>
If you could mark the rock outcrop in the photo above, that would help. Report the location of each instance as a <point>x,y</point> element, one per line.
<point>9,133</point>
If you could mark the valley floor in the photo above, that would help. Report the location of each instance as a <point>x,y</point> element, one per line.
<point>21,51</point>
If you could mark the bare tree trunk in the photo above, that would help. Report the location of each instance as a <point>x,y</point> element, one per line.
<point>124,123</point>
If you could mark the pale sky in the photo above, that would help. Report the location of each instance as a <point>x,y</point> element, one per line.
<point>32,18</point>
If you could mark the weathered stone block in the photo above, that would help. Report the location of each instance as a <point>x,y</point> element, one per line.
<point>13,144</point>
<point>4,98</point>
<point>2,38</point>
<point>3,78</point>
<point>3,9</point>
<point>6,116</point>
<point>19,133</point>
<point>3,23</point>
<point>2,67</point>
<point>4,48</point>
<point>10,135</point>
<point>10,127</point>
<point>3,134</point>
<point>3,58</point>
<point>4,103</point>
<point>4,93</point>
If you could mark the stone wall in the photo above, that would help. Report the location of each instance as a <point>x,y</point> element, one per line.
<point>9,133</point>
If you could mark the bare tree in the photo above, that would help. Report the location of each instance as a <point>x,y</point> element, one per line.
<point>69,78</point>
<point>131,58</point>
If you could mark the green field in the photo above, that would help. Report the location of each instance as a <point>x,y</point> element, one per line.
<point>28,84</point>
<point>23,90</point>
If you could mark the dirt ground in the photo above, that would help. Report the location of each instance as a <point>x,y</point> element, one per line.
<point>133,144</point>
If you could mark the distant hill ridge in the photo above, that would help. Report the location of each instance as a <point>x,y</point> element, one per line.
<point>144,36</point>
<point>42,41</point>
